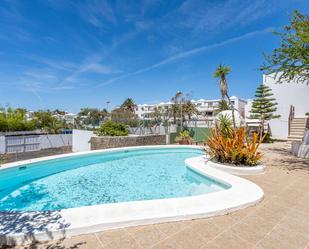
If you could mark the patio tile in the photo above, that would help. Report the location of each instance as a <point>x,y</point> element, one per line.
<point>249,233</point>
<point>271,212</point>
<point>257,221</point>
<point>223,221</point>
<point>147,236</point>
<point>206,229</point>
<point>210,245</point>
<point>170,228</point>
<point>296,222</point>
<point>113,236</point>
<point>188,239</point>
<point>228,240</point>
<point>128,243</point>
<point>167,244</point>
<point>283,239</point>
<point>79,242</point>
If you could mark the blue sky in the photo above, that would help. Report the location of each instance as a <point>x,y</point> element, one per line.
<point>73,54</point>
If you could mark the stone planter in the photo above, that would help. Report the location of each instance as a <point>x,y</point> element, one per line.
<point>184,141</point>
<point>237,170</point>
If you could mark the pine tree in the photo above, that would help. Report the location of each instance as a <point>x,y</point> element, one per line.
<point>263,106</point>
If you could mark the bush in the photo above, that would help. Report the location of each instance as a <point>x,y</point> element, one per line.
<point>184,136</point>
<point>235,149</point>
<point>267,138</point>
<point>111,128</point>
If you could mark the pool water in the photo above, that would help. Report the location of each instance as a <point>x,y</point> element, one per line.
<point>127,175</point>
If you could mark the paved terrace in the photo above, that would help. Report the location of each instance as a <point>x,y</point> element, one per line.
<point>280,221</point>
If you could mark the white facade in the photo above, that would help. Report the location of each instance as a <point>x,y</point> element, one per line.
<point>286,94</point>
<point>205,107</point>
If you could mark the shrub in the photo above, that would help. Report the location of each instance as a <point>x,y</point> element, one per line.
<point>184,136</point>
<point>111,128</point>
<point>236,149</point>
<point>267,138</point>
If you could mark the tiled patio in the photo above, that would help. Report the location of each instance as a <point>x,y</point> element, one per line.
<point>280,221</point>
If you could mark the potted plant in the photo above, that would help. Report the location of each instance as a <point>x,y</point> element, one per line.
<point>184,137</point>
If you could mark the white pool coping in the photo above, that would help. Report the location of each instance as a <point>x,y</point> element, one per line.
<point>88,219</point>
<point>237,170</point>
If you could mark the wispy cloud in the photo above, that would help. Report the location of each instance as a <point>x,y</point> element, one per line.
<point>186,54</point>
<point>56,64</point>
<point>98,68</point>
<point>97,13</point>
<point>202,15</point>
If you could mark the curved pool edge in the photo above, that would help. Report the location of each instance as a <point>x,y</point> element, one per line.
<point>83,220</point>
<point>240,170</point>
<point>46,158</point>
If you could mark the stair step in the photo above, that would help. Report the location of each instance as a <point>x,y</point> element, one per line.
<point>298,131</point>
<point>300,118</point>
<point>297,134</point>
<point>298,127</point>
<point>299,122</point>
<point>295,138</point>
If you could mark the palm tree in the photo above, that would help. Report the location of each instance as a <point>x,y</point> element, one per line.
<point>129,105</point>
<point>223,105</point>
<point>221,72</point>
<point>177,106</point>
<point>190,109</point>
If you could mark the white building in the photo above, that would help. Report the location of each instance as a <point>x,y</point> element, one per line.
<point>286,94</point>
<point>205,107</point>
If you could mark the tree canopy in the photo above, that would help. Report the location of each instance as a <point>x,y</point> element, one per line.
<point>291,60</point>
<point>264,105</point>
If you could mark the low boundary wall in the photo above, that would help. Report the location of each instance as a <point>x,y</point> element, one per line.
<point>106,142</point>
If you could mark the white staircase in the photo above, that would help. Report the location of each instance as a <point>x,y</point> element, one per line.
<point>298,127</point>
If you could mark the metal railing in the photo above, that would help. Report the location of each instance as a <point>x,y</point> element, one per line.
<point>291,117</point>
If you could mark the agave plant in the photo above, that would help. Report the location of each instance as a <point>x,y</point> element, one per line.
<point>224,124</point>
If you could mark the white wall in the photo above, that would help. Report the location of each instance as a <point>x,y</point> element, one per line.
<point>2,144</point>
<point>248,107</point>
<point>55,140</point>
<point>80,140</point>
<point>287,94</point>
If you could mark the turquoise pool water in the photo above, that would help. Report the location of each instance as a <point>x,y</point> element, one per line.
<point>131,175</point>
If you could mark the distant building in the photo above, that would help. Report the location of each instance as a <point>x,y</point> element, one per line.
<point>205,107</point>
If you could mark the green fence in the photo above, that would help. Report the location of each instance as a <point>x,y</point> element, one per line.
<point>199,134</point>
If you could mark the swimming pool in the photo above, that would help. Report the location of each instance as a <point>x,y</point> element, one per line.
<point>78,193</point>
<point>122,176</point>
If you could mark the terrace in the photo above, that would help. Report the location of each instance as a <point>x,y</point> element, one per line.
<point>281,220</point>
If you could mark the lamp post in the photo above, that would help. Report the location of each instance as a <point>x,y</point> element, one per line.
<point>179,94</point>
<point>107,104</point>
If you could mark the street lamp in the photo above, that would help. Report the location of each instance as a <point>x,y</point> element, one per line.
<point>179,94</point>
<point>107,103</point>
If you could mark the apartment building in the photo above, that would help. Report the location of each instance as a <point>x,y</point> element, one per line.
<point>205,107</point>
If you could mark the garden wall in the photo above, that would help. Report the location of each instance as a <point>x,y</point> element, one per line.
<point>81,140</point>
<point>115,142</point>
